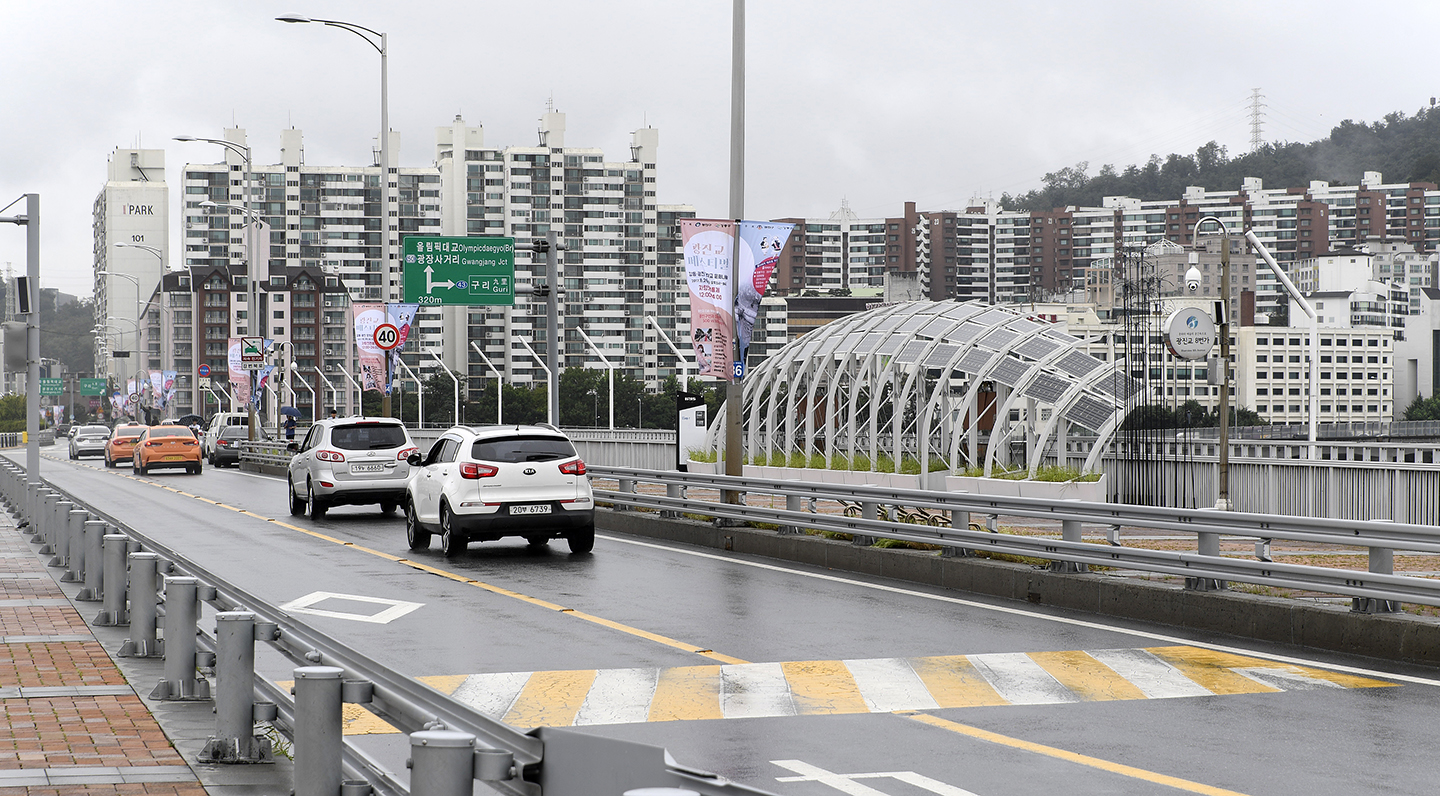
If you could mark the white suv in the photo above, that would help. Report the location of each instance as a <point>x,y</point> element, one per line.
<point>350,461</point>
<point>482,483</point>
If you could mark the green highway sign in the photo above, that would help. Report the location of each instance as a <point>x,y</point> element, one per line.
<point>92,386</point>
<point>51,386</point>
<point>465,271</point>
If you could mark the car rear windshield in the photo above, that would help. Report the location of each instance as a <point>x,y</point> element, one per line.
<point>368,436</point>
<point>240,432</point>
<point>522,449</point>
<point>176,431</point>
<point>129,432</point>
<point>93,431</point>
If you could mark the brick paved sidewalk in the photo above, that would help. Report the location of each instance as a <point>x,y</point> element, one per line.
<point>69,721</point>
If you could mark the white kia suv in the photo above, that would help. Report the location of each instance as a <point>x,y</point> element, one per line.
<point>481,483</point>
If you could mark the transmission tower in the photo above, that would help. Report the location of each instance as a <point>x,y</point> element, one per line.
<point>1256,119</point>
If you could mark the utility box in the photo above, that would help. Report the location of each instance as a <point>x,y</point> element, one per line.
<point>690,425</point>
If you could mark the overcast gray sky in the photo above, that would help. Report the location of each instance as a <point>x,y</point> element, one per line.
<point>876,102</point>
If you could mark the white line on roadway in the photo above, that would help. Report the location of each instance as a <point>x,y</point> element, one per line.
<point>1035,615</point>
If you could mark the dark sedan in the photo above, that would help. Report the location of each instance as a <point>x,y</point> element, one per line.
<point>227,445</point>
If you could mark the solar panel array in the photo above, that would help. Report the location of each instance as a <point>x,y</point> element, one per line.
<point>912,351</point>
<point>999,338</point>
<point>1037,347</point>
<point>1010,371</point>
<point>1089,412</point>
<point>942,354</point>
<point>975,361</point>
<point>1078,364</point>
<point>1047,388</point>
<point>966,333</point>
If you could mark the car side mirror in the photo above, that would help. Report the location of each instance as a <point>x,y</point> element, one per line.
<point>293,447</point>
<point>413,460</point>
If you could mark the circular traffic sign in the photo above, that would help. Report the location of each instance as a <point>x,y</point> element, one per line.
<point>203,370</point>
<point>387,337</point>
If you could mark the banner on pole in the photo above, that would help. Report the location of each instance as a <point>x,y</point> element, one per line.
<point>364,318</point>
<point>759,253</point>
<point>239,376</point>
<point>402,316</point>
<point>709,250</point>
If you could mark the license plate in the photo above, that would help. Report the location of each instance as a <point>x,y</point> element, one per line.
<point>367,468</point>
<point>174,458</point>
<point>539,508</point>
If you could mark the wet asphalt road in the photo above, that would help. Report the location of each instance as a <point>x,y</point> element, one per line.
<point>636,606</point>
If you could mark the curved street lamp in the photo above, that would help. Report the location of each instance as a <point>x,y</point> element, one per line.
<point>1222,501</point>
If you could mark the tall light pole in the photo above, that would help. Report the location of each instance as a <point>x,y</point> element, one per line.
<point>31,221</point>
<point>135,352</point>
<point>1222,502</point>
<point>734,392</point>
<point>252,268</point>
<point>381,45</point>
<point>164,336</point>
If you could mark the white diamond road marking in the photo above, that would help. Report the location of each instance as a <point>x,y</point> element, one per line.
<point>395,609</point>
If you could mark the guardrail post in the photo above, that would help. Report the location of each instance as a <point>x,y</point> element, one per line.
<point>869,510</point>
<point>1070,531</point>
<point>93,533</point>
<point>75,520</point>
<point>143,602</point>
<point>112,585</point>
<point>626,485</point>
<point>958,519</point>
<point>182,613</point>
<point>442,763</point>
<point>235,740</point>
<point>1208,545</point>
<point>39,530</point>
<point>47,522</point>
<point>672,491</point>
<point>317,730</point>
<point>793,502</point>
<point>1382,562</point>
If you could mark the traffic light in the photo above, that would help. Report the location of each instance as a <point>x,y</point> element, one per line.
<point>540,246</point>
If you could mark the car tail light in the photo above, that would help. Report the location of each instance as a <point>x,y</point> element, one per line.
<point>473,471</point>
<point>576,467</point>
<point>222,443</point>
<point>188,442</point>
<point>154,443</point>
<point>330,456</point>
<point>404,454</point>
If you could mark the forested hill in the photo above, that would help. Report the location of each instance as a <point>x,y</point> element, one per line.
<point>1402,148</point>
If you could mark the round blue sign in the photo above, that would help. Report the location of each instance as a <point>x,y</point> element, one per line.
<point>203,370</point>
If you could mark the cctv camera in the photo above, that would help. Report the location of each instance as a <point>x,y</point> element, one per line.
<point>1192,279</point>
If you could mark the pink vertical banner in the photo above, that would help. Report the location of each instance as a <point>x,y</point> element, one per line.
<point>759,253</point>
<point>239,376</point>
<point>365,317</point>
<point>709,271</point>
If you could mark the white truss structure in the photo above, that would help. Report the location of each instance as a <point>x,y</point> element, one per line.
<point>932,381</point>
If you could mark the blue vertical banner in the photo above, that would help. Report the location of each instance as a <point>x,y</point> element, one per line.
<point>759,247</point>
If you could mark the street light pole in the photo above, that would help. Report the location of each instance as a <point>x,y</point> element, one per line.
<point>382,47</point>
<point>252,270</point>
<point>31,222</point>
<point>734,393</point>
<point>1222,501</point>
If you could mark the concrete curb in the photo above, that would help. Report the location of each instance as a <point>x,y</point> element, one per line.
<point>1396,637</point>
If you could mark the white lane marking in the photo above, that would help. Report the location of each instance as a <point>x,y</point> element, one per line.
<point>890,684</point>
<point>492,694</point>
<point>754,690</point>
<point>1286,679</point>
<point>619,696</point>
<point>394,609</point>
<point>1155,678</point>
<point>1019,680</point>
<point>1168,639</point>
<point>845,783</point>
<point>257,475</point>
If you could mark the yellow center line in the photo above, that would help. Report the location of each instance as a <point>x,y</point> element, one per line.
<point>458,578</point>
<point>1071,757</point>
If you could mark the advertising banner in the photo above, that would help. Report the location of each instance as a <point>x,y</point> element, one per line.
<point>167,380</point>
<point>402,316</point>
<point>759,253</point>
<point>157,389</point>
<point>239,376</point>
<point>261,382</point>
<point>709,247</point>
<point>364,318</point>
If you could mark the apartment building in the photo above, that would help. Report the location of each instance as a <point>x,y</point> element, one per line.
<point>131,241</point>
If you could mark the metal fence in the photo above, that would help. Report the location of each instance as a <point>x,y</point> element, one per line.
<point>947,517</point>
<point>451,744</point>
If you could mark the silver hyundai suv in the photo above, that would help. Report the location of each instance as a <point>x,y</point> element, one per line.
<point>482,483</point>
<point>350,461</point>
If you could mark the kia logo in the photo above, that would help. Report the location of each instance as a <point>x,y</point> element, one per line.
<point>1192,321</point>
<point>529,470</point>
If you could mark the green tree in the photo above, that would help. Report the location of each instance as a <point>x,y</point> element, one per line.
<point>1423,408</point>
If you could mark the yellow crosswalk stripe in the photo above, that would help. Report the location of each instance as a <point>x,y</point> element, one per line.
<point>550,699</point>
<point>954,683</point>
<point>687,692</point>
<point>1087,677</point>
<point>823,687</point>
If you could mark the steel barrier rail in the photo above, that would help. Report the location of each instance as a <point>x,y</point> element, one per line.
<point>516,764</point>
<point>1381,537</point>
<point>1353,533</point>
<point>271,453</point>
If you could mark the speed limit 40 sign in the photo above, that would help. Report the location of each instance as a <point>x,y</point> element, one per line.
<point>387,337</point>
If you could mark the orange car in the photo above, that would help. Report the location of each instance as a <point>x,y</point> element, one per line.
<point>121,444</point>
<point>167,446</point>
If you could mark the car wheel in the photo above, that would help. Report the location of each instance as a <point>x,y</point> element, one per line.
<point>387,507</point>
<point>317,506</point>
<point>297,506</point>
<point>199,468</point>
<point>417,537</point>
<point>136,467</point>
<point>452,541</point>
<point>73,457</point>
<point>109,465</point>
<point>581,540</point>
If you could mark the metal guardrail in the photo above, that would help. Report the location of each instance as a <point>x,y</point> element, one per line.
<point>452,744</point>
<point>273,454</point>
<point>1377,590</point>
